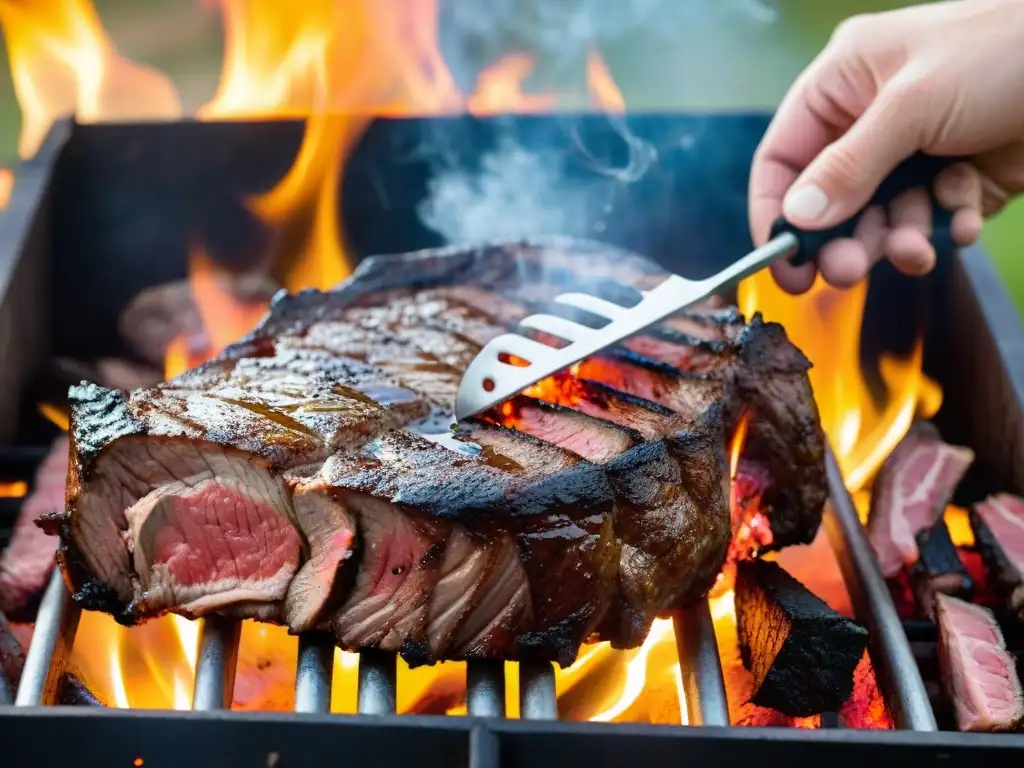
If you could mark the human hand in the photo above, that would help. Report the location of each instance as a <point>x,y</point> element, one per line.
<point>944,78</point>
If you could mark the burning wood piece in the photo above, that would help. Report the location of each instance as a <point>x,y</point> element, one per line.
<point>911,492</point>
<point>166,312</point>
<point>978,673</point>
<point>26,563</point>
<point>938,569</point>
<point>329,425</point>
<point>998,524</point>
<point>801,652</point>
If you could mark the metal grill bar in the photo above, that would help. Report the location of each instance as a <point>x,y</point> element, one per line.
<point>313,673</point>
<point>537,698</point>
<point>700,667</point>
<point>215,666</point>
<point>895,667</point>
<point>485,688</point>
<point>377,675</point>
<point>52,639</point>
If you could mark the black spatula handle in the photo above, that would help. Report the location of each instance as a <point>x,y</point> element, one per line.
<point>918,170</point>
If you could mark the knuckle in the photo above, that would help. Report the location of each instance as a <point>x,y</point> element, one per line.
<point>854,30</point>
<point>844,169</point>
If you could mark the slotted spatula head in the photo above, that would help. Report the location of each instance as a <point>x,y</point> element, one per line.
<point>499,372</point>
<point>512,362</point>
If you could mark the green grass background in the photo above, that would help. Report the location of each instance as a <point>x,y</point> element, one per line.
<point>713,61</point>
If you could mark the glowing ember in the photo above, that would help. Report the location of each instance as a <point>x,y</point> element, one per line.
<point>13,490</point>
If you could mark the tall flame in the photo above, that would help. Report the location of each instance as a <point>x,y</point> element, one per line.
<point>63,62</point>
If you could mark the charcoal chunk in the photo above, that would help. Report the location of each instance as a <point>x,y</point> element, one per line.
<point>938,569</point>
<point>801,652</point>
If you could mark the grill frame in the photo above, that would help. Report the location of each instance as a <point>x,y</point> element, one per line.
<point>482,739</point>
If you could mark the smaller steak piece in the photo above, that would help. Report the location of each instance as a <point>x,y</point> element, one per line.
<point>939,569</point>
<point>979,674</point>
<point>801,652</point>
<point>911,492</point>
<point>26,563</point>
<point>593,439</point>
<point>998,524</point>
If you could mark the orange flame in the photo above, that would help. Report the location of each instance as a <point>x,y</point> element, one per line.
<point>63,63</point>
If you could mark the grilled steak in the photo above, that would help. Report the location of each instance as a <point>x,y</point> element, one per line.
<point>26,563</point>
<point>310,475</point>
<point>998,524</point>
<point>979,674</point>
<point>911,492</point>
<point>801,652</point>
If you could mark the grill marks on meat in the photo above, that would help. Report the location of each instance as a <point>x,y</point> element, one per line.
<point>320,446</point>
<point>980,676</point>
<point>911,492</point>
<point>998,524</point>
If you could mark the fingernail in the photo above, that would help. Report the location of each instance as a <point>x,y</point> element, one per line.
<point>807,203</point>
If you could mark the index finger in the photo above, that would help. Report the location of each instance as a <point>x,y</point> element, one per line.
<point>804,124</point>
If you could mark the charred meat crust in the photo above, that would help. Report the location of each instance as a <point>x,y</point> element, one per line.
<point>659,508</point>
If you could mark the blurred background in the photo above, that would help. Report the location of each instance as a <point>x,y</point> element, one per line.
<point>663,54</point>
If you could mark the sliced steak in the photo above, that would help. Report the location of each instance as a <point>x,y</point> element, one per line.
<point>802,653</point>
<point>979,675</point>
<point>26,563</point>
<point>911,492</point>
<point>998,524</point>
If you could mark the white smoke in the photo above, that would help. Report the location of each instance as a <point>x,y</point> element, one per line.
<point>515,194</point>
<point>516,191</point>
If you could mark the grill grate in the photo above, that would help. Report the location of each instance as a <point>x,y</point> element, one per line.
<point>700,666</point>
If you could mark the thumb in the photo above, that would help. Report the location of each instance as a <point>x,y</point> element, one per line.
<point>845,175</point>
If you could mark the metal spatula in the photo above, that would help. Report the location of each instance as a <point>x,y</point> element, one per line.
<point>490,380</point>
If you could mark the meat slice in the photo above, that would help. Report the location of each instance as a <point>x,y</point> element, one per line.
<point>911,491</point>
<point>221,537</point>
<point>979,675</point>
<point>593,439</point>
<point>939,569</point>
<point>802,653</point>
<point>438,524</point>
<point>26,563</point>
<point>998,524</point>
<point>151,473</point>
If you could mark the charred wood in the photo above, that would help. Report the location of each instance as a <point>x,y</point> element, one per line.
<point>801,652</point>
